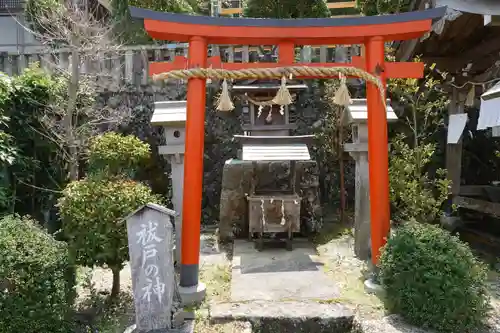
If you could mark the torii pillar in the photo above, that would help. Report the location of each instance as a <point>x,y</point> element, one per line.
<point>199,31</point>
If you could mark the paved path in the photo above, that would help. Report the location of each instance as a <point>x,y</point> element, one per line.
<point>277,274</point>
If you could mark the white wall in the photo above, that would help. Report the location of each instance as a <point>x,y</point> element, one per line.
<point>13,37</point>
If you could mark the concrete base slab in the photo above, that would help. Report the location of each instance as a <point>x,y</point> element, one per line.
<point>276,274</point>
<point>193,295</point>
<point>287,316</point>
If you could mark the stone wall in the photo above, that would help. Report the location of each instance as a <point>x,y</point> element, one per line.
<point>219,142</point>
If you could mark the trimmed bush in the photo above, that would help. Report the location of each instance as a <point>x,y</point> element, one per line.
<point>117,154</point>
<point>93,212</point>
<point>433,280</point>
<point>35,296</point>
<point>93,209</point>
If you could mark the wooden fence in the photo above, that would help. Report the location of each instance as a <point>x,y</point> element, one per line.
<point>130,63</point>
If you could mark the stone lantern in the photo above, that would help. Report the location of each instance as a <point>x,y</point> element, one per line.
<point>357,116</point>
<point>171,115</point>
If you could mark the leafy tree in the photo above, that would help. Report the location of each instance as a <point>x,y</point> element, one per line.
<point>172,6</point>
<point>8,151</point>
<point>418,188</point>
<point>87,35</point>
<point>131,32</point>
<point>287,9</point>
<point>378,7</point>
<point>421,105</point>
<point>93,209</point>
<point>37,172</point>
<point>414,194</point>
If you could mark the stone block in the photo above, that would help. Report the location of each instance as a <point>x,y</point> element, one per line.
<point>287,316</point>
<point>236,182</point>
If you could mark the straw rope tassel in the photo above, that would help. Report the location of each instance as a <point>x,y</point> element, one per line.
<point>224,103</point>
<point>342,96</point>
<point>283,96</point>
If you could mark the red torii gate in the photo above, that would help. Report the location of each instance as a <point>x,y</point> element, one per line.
<point>199,31</point>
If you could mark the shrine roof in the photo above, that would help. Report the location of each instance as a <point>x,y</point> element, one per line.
<point>169,112</point>
<point>358,111</point>
<point>275,152</point>
<point>307,31</point>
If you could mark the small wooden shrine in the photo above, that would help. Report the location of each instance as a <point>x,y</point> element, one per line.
<point>273,209</point>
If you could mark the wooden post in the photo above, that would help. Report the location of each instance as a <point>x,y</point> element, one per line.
<point>378,156</point>
<point>454,151</point>
<point>193,166</point>
<point>323,54</point>
<point>150,242</point>
<point>340,56</point>
<point>359,152</point>
<point>245,53</point>
<point>230,53</point>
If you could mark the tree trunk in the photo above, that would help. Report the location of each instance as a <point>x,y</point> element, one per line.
<point>115,290</point>
<point>70,111</point>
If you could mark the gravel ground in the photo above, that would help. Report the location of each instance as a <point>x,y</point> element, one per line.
<point>336,248</point>
<point>210,254</point>
<point>340,263</point>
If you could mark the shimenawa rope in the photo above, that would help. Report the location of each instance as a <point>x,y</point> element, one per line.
<point>283,96</point>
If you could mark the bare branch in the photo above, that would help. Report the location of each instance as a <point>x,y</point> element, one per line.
<point>80,46</point>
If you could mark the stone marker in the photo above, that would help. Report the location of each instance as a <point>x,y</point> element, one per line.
<point>150,240</point>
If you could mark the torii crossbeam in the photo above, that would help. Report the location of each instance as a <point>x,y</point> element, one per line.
<point>199,31</point>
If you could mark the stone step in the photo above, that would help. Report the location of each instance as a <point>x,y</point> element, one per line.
<point>287,316</point>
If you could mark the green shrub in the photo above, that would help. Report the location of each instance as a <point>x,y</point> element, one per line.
<point>415,195</point>
<point>117,154</point>
<point>92,211</point>
<point>286,8</point>
<point>35,296</point>
<point>433,280</point>
<point>379,7</point>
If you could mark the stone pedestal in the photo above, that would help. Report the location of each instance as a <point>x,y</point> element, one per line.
<point>236,178</point>
<point>359,152</point>
<point>177,179</point>
<point>193,295</point>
